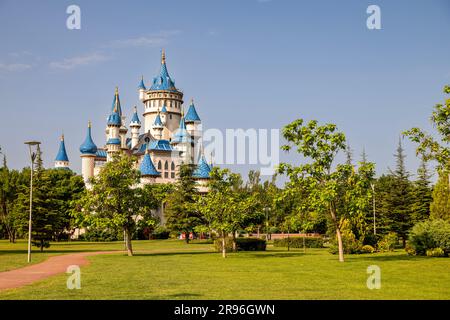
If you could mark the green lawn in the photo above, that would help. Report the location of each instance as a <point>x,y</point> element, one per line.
<point>170,269</point>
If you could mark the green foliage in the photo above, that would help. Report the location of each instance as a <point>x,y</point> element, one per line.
<point>160,232</point>
<point>436,252</point>
<point>430,234</point>
<point>100,235</point>
<point>440,207</point>
<point>299,242</point>
<point>389,242</point>
<point>351,245</point>
<point>181,213</point>
<point>421,195</point>
<point>242,244</point>
<point>367,249</point>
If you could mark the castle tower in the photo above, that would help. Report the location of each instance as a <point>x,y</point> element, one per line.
<point>201,173</point>
<point>183,142</point>
<point>162,95</point>
<point>62,160</point>
<point>142,89</point>
<point>88,152</point>
<point>114,124</point>
<point>158,127</point>
<point>193,122</point>
<point>148,170</point>
<point>135,125</point>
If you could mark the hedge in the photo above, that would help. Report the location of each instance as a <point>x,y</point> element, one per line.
<point>242,244</point>
<point>297,242</point>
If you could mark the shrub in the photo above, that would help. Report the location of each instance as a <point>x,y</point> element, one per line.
<point>242,244</point>
<point>436,252</point>
<point>388,242</point>
<point>367,249</point>
<point>430,234</point>
<point>94,235</point>
<point>410,250</point>
<point>349,242</point>
<point>297,242</point>
<point>160,233</point>
<point>371,239</point>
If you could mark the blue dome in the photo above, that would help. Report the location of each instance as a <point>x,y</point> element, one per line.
<point>114,119</point>
<point>147,168</point>
<point>88,146</point>
<point>135,118</point>
<point>191,115</point>
<point>113,141</point>
<point>62,154</point>
<point>203,169</point>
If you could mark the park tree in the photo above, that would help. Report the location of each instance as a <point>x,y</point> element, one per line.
<point>438,149</point>
<point>421,194</point>
<point>326,186</point>
<point>440,206</point>
<point>115,200</point>
<point>181,213</point>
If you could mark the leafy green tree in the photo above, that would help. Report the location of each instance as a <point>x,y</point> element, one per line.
<point>326,187</point>
<point>114,200</point>
<point>180,212</point>
<point>436,149</point>
<point>440,207</point>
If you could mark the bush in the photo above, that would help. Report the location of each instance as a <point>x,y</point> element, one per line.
<point>95,235</point>
<point>371,239</point>
<point>430,234</point>
<point>436,252</point>
<point>367,249</point>
<point>410,250</point>
<point>160,233</point>
<point>242,244</point>
<point>389,242</point>
<point>349,242</point>
<point>297,242</point>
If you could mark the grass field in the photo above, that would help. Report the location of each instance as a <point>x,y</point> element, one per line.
<point>170,269</point>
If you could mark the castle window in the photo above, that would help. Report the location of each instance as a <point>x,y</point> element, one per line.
<point>170,116</point>
<point>166,174</point>
<point>166,166</point>
<point>172,166</point>
<point>159,165</point>
<point>172,175</point>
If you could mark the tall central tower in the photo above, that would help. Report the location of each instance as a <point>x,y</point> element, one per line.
<point>162,95</point>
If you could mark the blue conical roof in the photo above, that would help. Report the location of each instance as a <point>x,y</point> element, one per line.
<point>181,135</point>
<point>62,154</point>
<point>141,84</point>
<point>158,122</point>
<point>203,169</point>
<point>191,115</point>
<point>135,118</point>
<point>147,168</point>
<point>88,146</point>
<point>115,118</point>
<point>164,109</point>
<point>163,80</point>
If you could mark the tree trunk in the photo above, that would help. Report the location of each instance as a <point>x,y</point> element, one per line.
<point>124,240</point>
<point>224,248</point>
<point>404,241</point>
<point>186,237</point>
<point>129,248</point>
<point>234,242</point>
<point>338,233</point>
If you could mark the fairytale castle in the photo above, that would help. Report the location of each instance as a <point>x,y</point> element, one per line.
<point>169,137</point>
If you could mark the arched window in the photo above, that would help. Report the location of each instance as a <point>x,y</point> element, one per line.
<point>172,166</point>
<point>159,165</point>
<point>166,165</point>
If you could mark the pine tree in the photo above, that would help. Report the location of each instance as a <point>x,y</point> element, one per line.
<point>399,199</point>
<point>421,194</point>
<point>440,206</point>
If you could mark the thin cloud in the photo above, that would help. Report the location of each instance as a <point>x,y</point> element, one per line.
<point>78,61</point>
<point>154,40</point>
<point>15,67</point>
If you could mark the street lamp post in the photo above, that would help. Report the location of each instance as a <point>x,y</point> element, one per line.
<point>373,201</point>
<point>33,157</point>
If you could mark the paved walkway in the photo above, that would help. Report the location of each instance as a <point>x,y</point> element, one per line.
<point>52,266</point>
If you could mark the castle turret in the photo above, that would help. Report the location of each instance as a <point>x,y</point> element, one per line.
<point>158,127</point>
<point>201,173</point>
<point>148,170</point>
<point>141,89</point>
<point>183,142</point>
<point>62,160</point>
<point>88,152</point>
<point>163,95</point>
<point>193,123</point>
<point>135,125</point>
<point>114,143</point>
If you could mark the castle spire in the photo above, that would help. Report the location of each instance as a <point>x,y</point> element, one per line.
<point>163,56</point>
<point>62,160</point>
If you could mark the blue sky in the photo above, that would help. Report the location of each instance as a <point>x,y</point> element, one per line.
<point>247,63</point>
